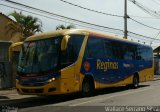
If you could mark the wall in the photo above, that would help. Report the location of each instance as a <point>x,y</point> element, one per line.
<point>4,35</point>
<point>5,66</point>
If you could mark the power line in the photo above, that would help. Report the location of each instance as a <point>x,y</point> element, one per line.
<point>141,38</point>
<point>156,37</point>
<point>132,33</point>
<point>90,9</point>
<point>31,12</point>
<point>70,20</point>
<point>81,7</point>
<point>144,24</point>
<point>104,13</point>
<point>156,2</point>
<point>143,17</point>
<point>145,9</point>
<point>109,30</point>
<point>67,17</point>
<point>60,16</point>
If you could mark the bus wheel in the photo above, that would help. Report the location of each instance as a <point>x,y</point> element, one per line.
<point>87,87</point>
<point>135,82</point>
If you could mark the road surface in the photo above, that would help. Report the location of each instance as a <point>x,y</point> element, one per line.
<point>111,99</point>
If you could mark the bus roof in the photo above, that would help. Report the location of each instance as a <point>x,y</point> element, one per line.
<point>75,31</point>
<point>55,34</point>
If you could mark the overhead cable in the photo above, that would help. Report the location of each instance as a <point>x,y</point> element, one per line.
<point>58,19</point>
<point>144,24</point>
<point>71,20</point>
<point>59,16</point>
<point>146,9</point>
<point>156,2</point>
<point>90,9</point>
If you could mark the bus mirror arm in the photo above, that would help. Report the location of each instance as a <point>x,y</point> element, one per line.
<point>64,42</point>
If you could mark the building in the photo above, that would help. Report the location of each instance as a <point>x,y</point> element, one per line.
<point>156,52</point>
<point>6,35</point>
<point>6,76</point>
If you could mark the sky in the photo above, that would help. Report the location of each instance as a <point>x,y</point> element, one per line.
<point>114,7</point>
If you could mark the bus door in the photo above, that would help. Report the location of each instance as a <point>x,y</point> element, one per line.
<point>70,72</point>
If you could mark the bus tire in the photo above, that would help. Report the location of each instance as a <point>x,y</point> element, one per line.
<point>135,82</point>
<point>88,87</point>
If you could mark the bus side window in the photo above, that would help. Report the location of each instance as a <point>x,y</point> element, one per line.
<point>139,53</point>
<point>87,53</point>
<point>94,48</point>
<point>109,49</point>
<point>149,55</point>
<point>114,49</point>
<point>145,53</point>
<point>129,53</point>
<point>67,58</point>
<point>72,51</point>
<point>118,49</point>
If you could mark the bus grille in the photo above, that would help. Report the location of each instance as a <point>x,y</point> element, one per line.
<point>32,90</point>
<point>35,84</point>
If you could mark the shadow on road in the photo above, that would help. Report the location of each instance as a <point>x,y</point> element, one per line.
<point>45,100</point>
<point>116,89</point>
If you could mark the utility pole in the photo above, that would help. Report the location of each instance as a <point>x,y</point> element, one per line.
<point>125,19</point>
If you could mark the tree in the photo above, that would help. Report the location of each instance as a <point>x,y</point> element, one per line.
<point>27,25</point>
<point>60,27</point>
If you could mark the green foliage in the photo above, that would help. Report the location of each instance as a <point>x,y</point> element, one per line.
<point>60,27</point>
<point>27,25</point>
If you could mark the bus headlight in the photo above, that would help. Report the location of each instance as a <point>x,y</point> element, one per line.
<point>52,79</point>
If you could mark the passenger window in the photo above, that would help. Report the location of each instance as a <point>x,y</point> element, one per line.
<point>114,49</point>
<point>109,49</point>
<point>129,51</point>
<point>145,53</point>
<point>94,48</point>
<point>72,51</point>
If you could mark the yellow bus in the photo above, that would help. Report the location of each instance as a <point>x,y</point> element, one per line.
<point>68,61</point>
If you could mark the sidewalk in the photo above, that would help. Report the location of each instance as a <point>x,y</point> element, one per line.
<point>8,91</point>
<point>156,77</point>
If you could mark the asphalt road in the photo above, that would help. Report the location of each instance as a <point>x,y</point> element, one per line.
<point>111,99</point>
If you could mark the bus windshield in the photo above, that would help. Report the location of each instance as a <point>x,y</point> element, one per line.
<point>39,56</point>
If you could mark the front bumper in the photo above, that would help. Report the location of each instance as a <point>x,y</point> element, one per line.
<point>51,88</point>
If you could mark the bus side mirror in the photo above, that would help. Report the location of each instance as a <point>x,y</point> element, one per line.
<point>64,42</point>
<point>15,47</point>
